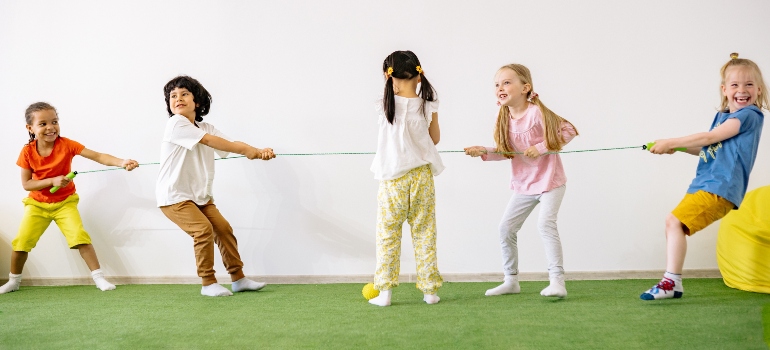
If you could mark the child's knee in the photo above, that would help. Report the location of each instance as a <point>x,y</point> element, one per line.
<point>673,224</point>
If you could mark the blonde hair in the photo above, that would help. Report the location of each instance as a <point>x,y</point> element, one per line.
<point>762,101</point>
<point>551,121</point>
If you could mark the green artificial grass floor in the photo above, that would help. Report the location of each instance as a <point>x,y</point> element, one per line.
<point>595,315</point>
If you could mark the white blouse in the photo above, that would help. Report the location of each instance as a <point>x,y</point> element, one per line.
<point>405,144</point>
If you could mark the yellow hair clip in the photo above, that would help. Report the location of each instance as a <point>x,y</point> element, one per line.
<point>419,69</point>
<point>390,71</point>
<point>734,55</point>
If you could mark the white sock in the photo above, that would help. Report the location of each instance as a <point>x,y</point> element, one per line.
<point>383,299</point>
<point>215,290</point>
<point>431,298</point>
<point>14,281</point>
<point>557,288</point>
<point>245,284</point>
<point>676,277</point>
<point>101,283</point>
<point>510,286</point>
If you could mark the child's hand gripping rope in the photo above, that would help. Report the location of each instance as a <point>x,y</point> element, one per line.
<point>128,164</point>
<point>64,181</point>
<point>649,146</point>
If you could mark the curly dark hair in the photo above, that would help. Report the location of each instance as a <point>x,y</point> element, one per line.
<point>201,97</point>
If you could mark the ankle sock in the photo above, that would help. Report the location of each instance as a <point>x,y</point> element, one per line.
<point>510,286</point>
<point>669,287</point>
<point>557,287</point>
<point>101,283</point>
<point>245,284</point>
<point>383,299</point>
<point>215,290</point>
<point>677,277</point>
<point>14,281</point>
<point>431,298</point>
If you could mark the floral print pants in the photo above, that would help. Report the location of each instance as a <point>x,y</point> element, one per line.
<point>409,198</point>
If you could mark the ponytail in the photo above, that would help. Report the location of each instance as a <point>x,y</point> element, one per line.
<point>501,133</point>
<point>388,101</point>
<point>552,125</point>
<point>426,90</point>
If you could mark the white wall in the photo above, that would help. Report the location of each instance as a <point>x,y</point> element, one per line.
<point>301,76</point>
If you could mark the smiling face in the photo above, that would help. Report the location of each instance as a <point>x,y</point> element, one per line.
<point>740,87</point>
<point>509,89</point>
<point>45,125</point>
<point>180,101</point>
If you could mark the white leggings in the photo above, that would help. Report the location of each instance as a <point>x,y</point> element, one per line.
<point>517,211</point>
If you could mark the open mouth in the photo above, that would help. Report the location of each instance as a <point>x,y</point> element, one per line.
<point>502,96</point>
<point>742,99</point>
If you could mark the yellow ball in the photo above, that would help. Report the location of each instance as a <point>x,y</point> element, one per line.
<point>369,292</point>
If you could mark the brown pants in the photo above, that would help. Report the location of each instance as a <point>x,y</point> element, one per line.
<point>206,225</point>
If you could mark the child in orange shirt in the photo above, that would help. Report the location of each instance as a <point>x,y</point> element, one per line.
<point>44,162</point>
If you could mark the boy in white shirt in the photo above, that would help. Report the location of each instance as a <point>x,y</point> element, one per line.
<point>184,186</point>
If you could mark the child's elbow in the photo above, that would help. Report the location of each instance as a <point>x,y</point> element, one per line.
<point>436,139</point>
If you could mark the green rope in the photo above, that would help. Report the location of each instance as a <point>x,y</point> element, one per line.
<point>361,153</point>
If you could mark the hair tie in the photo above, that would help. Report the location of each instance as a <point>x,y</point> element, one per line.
<point>734,55</point>
<point>532,96</point>
<point>419,69</point>
<point>390,71</point>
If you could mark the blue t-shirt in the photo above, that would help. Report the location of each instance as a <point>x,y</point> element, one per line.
<point>724,167</point>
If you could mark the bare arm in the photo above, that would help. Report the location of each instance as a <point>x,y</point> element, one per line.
<point>434,130</point>
<point>238,147</point>
<point>695,142</point>
<point>106,159</point>
<point>36,185</point>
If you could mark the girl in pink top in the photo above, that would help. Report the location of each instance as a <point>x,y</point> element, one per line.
<point>527,127</point>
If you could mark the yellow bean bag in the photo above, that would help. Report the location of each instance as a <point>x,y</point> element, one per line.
<point>743,244</point>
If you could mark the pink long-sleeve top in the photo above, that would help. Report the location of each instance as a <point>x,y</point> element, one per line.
<point>533,175</point>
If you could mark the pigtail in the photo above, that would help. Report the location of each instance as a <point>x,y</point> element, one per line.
<point>388,101</point>
<point>501,133</point>
<point>426,91</point>
<point>552,125</point>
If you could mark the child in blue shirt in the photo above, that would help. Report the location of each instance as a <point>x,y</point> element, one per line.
<point>727,154</point>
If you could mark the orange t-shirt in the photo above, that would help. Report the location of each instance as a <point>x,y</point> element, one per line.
<point>59,162</point>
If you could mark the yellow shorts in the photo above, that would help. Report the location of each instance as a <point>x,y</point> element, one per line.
<point>700,209</point>
<point>38,216</point>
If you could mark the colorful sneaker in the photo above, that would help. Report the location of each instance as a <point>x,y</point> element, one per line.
<point>666,288</point>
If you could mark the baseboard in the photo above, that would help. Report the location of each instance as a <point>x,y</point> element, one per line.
<point>406,278</point>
